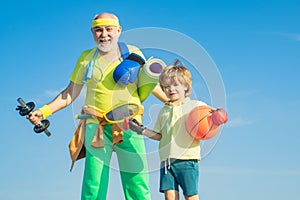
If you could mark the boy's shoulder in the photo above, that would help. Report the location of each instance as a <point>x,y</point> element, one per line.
<point>192,102</point>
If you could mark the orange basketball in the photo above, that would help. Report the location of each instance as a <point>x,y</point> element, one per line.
<point>199,123</point>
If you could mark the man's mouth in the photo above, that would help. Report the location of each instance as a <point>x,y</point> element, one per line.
<point>104,40</point>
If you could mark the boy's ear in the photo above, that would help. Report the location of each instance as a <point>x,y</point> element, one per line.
<point>186,92</point>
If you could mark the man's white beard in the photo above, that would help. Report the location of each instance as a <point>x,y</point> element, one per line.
<point>109,47</point>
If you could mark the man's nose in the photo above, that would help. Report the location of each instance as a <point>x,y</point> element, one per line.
<point>104,33</point>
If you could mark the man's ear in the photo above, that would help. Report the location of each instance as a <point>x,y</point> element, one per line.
<point>92,31</point>
<point>119,29</point>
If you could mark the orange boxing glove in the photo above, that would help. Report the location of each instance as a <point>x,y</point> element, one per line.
<point>219,116</point>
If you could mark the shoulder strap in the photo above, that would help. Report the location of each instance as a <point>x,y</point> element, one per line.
<point>124,49</point>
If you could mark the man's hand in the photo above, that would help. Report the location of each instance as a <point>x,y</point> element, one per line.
<point>35,117</point>
<point>136,126</point>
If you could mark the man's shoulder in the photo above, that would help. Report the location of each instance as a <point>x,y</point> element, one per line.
<point>131,47</point>
<point>87,54</point>
<point>87,51</point>
<point>135,49</point>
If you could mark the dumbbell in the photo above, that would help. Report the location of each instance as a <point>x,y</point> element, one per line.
<point>25,109</point>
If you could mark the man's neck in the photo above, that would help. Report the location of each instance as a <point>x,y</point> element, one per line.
<point>112,55</point>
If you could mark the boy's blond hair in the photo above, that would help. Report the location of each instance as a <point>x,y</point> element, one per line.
<point>176,73</point>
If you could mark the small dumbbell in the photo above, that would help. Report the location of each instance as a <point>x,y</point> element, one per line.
<point>25,109</point>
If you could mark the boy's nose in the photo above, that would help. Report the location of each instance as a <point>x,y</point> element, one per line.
<point>172,87</point>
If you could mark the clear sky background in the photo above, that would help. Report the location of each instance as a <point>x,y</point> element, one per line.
<point>254,44</point>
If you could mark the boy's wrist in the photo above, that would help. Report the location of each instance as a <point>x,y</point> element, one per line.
<point>141,130</point>
<point>136,126</point>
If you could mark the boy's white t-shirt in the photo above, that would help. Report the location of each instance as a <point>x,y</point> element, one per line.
<point>176,142</point>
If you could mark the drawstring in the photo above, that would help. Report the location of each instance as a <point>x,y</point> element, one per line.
<point>167,165</point>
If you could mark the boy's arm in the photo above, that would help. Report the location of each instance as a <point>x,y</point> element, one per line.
<point>152,134</point>
<point>142,130</point>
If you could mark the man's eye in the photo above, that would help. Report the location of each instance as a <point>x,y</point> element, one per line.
<point>97,30</point>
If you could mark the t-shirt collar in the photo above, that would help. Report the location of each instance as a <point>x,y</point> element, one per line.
<point>168,103</point>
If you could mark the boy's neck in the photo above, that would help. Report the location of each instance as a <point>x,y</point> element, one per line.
<point>179,101</point>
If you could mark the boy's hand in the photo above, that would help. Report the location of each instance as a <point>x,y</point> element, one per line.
<point>136,126</point>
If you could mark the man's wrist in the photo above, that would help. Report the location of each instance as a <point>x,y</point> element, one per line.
<point>46,111</point>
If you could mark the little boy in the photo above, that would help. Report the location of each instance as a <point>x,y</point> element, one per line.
<point>179,152</point>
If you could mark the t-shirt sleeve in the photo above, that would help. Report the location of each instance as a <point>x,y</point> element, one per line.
<point>158,124</point>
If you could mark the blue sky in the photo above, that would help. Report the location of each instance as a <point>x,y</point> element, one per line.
<point>253,45</point>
